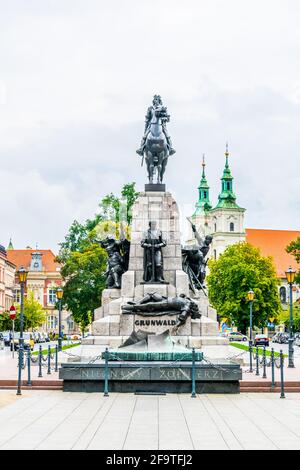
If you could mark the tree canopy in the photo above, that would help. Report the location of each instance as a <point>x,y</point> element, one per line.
<point>239,269</point>
<point>285,316</point>
<point>85,280</point>
<point>84,261</point>
<point>294,249</point>
<point>34,315</point>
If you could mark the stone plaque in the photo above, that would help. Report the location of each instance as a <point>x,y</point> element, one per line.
<point>157,324</point>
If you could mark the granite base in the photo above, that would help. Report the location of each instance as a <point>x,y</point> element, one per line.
<point>168,377</point>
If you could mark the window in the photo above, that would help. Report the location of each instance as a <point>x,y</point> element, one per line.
<point>71,325</point>
<point>282,294</point>
<point>215,227</point>
<point>51,322</point>
<point>228,186</point>
<point>231,227</point>
<point>51,296</point>
<point>204,194</point>
<point>17,296</point>
<point>215,254</point>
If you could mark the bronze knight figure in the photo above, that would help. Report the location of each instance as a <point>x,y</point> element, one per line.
<point>117,262</point>
<point>194,260</point>
<point>153,243</point>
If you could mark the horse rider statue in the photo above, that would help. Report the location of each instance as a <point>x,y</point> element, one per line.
<point>157,105</point>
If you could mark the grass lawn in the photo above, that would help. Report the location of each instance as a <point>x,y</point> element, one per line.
<point>66,346</point>
<point>260,350</point>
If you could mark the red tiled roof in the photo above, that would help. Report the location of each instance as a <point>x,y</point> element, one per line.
<point>273,243</point>
<point>23,258</point>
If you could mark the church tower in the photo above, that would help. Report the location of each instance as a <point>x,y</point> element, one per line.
<point>227,218</point>
<point>10,245</point>
<point>201,216</point>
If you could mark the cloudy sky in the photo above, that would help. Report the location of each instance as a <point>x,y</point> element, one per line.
<point>76,78</point>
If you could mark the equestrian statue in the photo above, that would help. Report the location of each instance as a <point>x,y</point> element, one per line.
<point>156,145</point>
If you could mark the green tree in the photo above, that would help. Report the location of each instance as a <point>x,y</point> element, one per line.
<point>84,262</point>
<point>112,209</point>
<point>34,315</point>
<point>76,240</point>
<point>285,316</point>
<point>5,322</point>
<point>84,277</point>
<point>119,209</point>
<point>294,249</point>
<point>130,196</point>
<point>239,269</point>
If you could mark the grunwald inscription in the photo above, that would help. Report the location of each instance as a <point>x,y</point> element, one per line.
<point>155,322</point>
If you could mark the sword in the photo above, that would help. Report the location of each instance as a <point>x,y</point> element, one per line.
<point>197,283</point>
<point>190,221</point>
<point>153,260</point>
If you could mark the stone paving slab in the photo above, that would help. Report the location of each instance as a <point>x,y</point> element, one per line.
<point>58,420</point>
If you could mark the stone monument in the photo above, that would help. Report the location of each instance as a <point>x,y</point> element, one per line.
<point>155,275</point>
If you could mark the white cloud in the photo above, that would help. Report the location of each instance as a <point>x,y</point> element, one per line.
<point>76,79</point>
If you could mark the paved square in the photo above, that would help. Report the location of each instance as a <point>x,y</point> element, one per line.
<point>58,420</point>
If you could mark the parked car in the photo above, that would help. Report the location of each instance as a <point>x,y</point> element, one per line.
<point>261,340</point>
<point>237,336</point>
<point>1,341</point>
<point>42,338</point>
<point>297,341</point>
<point>297,338</point>
<point>28,341</point>
<point>280,338</point>
<point>6,335</point>
<point>275,338</point>
<point>36,336</point>
<point>75,337</point>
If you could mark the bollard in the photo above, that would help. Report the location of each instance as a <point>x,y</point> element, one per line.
<point>20,367</point>
<point>28,367</point>
<point>264,364</point>
<point>56,358</point>
<point>250,352</point>
<point>49,359</point>
<point>193,375</point>
<point>257,362</point>
<point>282,395</point>
<point>106,374</point>
<point>273,368</point>
<point>40,362</point>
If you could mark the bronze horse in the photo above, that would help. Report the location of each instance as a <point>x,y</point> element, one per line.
<point>156,146</point>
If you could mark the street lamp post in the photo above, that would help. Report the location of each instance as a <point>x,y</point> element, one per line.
<point>59,295</point>
<point>250,298</point>
<point>22,273</point>
<point>12,316</point>
<point>290,276</point>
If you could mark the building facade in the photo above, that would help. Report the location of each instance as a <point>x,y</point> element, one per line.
<point>7,281</point>
<point>273,243</point>
<point>225,222</point>
<point>43,279</point>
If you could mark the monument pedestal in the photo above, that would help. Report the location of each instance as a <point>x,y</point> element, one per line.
<point>111,327</point>
<point>152,377</point>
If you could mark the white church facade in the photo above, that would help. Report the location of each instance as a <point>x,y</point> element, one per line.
<point>225,221</point>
